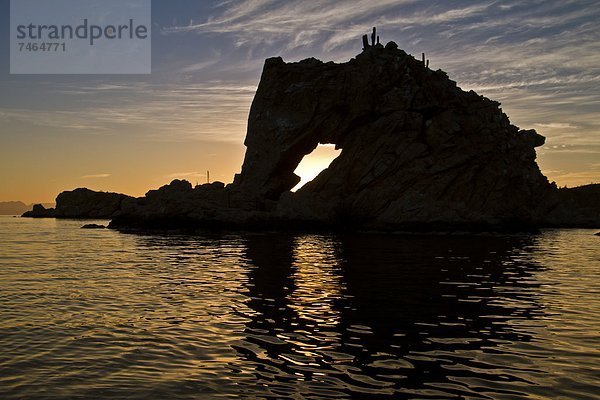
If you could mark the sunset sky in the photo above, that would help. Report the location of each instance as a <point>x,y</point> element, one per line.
<point>129,134</point>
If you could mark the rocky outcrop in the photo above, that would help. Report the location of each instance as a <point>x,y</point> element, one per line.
<point>93,226</point>
<point>416,149</point>
<point>576,207</point>
<point>81,203</point>
<point>179,205</point>
<point>417,152</point>
<point>39,211</point>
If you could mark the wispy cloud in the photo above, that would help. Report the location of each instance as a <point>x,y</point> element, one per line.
<point>556,125</point>
<point>328,24</point>
<point>96,176</point>
<point>173,112</point>
<point>577,177</point>
<point>181,175</point>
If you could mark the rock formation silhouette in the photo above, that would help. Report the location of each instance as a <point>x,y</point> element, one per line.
<point>417,152</point>
<point>81,203</point>
<point>415,148</point>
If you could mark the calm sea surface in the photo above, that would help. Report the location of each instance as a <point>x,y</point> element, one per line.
<point>97,314</point>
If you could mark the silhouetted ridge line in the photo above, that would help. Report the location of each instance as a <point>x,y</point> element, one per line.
<point>418,153</point>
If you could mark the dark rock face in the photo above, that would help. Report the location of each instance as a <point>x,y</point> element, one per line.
<point>417,153</point>
<point>86,203</point>
<point>93,226</point>
<point>81,203</point>
<point>179,205</point>
<point>577,207</point>
<point>415,148</point>
<point>39,211</point>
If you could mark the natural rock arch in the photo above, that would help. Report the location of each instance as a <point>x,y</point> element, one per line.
<point>414,145</point>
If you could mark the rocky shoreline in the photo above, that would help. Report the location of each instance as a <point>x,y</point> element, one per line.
<point>81,203</point>
<point>418,154</point>
<point>578,208</point>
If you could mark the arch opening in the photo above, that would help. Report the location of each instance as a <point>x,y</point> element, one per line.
<point>314,163</point>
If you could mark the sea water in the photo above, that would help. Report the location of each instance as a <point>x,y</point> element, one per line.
<point>101,314</point>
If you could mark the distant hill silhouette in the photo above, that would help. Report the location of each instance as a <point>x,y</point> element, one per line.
<point>17,207</point>
<point>13,207</point>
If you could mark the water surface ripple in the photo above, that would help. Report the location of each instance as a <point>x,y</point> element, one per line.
<point>99,314</point>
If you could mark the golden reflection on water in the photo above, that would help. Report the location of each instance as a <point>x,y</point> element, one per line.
<point>317,280</point>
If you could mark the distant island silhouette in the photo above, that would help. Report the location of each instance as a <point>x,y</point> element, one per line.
<point>16,207</point>
<point>418,153</point>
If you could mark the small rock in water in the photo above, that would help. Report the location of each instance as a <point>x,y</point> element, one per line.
<point>597,233</point>
<point>93,226</point>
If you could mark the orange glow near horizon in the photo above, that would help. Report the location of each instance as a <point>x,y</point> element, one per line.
<point>104,164</point>
<point>135,168</point>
